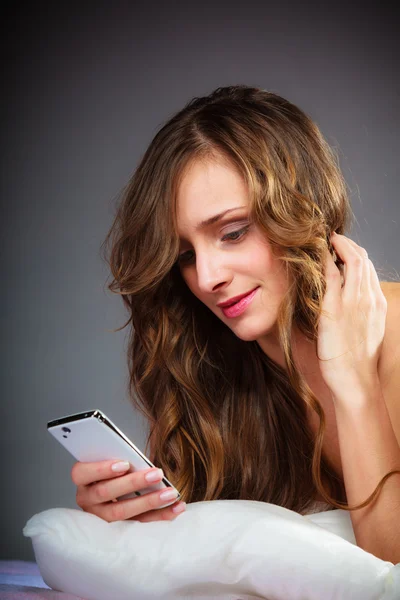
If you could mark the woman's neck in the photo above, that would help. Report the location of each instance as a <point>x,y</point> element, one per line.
<point>304,352</point>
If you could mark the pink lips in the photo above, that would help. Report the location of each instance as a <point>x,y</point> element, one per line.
<point>239,307</point>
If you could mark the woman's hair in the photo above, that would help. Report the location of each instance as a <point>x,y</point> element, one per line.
<point>227,422</point>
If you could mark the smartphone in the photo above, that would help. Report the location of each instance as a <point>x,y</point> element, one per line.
<point>91,436</point>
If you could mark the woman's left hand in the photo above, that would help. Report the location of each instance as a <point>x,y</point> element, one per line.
<point>351,332</point>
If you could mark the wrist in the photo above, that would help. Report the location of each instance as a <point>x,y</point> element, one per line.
<point>357,391</point>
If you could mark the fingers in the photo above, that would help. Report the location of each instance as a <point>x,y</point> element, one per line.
<point>356,267</point>
<point>133,509</point>
<point>373,279</point>
<point>85,473</point>
<point>108,490</point>
<point>98,485</point>
<point>98,482</point>
<point>359,269</point>
<point>163,514</point>
<point>368,267</point>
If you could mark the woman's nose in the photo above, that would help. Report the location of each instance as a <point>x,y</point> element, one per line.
<point>211,272</point>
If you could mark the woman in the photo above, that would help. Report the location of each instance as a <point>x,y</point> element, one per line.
<point>263,348</point>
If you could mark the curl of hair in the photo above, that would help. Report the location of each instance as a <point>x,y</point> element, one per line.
<point>227,422</point>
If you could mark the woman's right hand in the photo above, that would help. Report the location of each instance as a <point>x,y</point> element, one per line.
<point>98,485</point>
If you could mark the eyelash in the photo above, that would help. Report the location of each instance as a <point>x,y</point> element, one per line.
<point>225,238</point>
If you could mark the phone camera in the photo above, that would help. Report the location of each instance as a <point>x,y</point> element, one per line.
<point>66,430</point>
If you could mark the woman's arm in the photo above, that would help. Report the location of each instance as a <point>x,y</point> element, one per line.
<point>352,332</point>
<point>369,449</point>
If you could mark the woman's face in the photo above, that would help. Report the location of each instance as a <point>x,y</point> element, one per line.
<point>224,259</point>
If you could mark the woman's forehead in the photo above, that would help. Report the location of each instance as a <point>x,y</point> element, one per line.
<point>206,190</point>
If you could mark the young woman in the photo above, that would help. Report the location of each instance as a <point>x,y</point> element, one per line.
<point>264,350</point>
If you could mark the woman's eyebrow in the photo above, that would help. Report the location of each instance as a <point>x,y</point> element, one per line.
<point>216,218</point>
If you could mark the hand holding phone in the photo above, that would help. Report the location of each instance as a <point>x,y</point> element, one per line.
<point>102,477</point>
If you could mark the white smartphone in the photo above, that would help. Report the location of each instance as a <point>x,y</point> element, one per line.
<point>90,436</point>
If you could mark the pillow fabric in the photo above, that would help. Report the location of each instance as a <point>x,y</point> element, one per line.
<point>226,549</point>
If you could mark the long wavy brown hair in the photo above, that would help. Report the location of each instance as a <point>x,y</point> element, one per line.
<point>226,421</point>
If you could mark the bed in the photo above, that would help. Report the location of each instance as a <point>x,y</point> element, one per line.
<point>21,580</point>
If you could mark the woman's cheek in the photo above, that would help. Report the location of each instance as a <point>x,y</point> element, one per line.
<point>257,261</point>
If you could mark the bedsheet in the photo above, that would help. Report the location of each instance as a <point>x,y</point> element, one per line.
<point>21,580</point>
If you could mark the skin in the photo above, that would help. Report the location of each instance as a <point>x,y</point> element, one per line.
<point>98,485</point>
<point>231,257</point>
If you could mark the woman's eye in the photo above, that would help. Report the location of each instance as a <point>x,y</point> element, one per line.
<point>186,257</point>
<point>235,235</point>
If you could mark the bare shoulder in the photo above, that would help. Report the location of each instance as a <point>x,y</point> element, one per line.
<point>390,355</point>
<point>389,363</point>
<point>391,288</point>
<point>391,291</point>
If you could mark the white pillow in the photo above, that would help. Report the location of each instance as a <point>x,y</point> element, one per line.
<point>226,549</point>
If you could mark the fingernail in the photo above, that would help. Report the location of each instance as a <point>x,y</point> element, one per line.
<point>178,508</point>
<point>120,467</point>
<point>154,475</point>
<point>168,495</point>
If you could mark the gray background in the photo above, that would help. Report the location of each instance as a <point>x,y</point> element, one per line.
<point>85,89</point>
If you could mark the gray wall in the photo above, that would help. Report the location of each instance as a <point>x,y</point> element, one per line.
<point>84,91</point>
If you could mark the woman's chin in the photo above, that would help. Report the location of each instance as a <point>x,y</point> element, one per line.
<point>246,334</point>
<point>251,331</point>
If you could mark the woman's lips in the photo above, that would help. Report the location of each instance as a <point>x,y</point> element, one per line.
<point>239,307</point>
